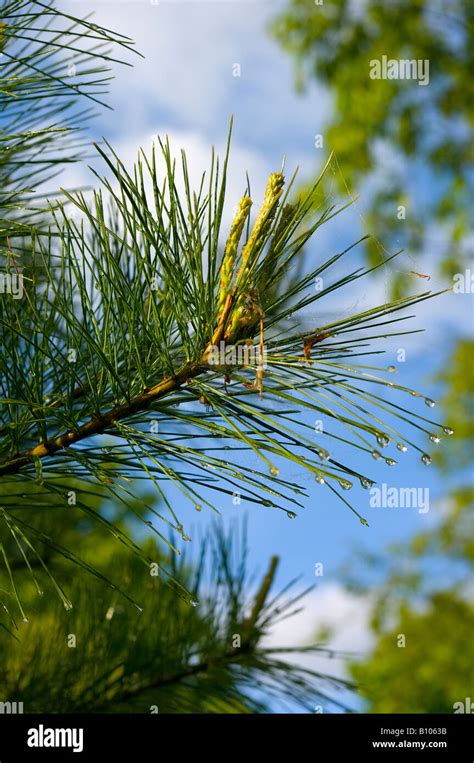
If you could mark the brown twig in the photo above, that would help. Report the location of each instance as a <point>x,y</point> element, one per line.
<point>309,343</point>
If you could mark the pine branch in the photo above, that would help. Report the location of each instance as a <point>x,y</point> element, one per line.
<point>99,297</point>
<point>101,422</point>
<point>136,323</point>
<point>230,655</point>
<point>179,658</point>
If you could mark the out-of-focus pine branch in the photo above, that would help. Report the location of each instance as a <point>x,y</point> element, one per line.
<point>105,656</point>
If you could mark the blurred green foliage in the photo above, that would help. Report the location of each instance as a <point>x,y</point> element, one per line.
<point>120,639</point>
<point>457,377</point>
<point>105,655</point>
<point>413,143</point>
<point>412,147</point>
<point>426,590</point>
<point>432,671</point>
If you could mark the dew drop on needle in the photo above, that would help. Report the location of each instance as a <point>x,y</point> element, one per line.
<point>345,484</point>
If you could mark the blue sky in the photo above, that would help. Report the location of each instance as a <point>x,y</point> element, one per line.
<point>186,87</point>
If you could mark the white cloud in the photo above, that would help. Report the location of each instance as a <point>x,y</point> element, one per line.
<point>333,606</point>
<point>345,613</point>
<point>186,78</point>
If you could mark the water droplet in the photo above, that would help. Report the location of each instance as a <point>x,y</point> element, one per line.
<point>390,461</point>
<point>401,447</point>
<point>429,402</point>
<point>376,455</point>
<point>180,529</point>
<point>434,438</point>
<point>323,454</point>
<point>67,605</point>
<point>290,514</point>
<point>320,479</point>
<point>149,523</point>
<point>345,484</point>
<point>193,602</point>
<point>364,522</point>
<point>426,459</point>
<point>274,471</point>
<point>448,430</point>
<point>392,369</point>
<point>198,507</point>
<point>25,620</point>
<point>382,440</point>
<point>366,483</point>
<point>138,608</point>
<point>185,537</point>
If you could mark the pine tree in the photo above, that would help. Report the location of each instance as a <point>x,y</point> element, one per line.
<point>150,348</point>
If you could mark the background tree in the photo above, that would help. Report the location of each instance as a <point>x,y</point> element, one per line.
<point>431,672</point>
<point>407,147</point>
<point>423,606</point>
<point>422,620</point>
<point>401,144</point>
